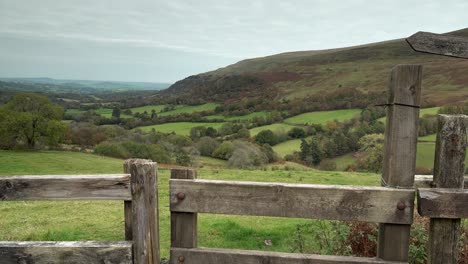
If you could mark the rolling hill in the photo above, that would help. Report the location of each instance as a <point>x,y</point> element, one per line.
<point>296,75</point>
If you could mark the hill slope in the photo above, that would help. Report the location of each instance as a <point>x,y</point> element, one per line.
<point>295,75</point>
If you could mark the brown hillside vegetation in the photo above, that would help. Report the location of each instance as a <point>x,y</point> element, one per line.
<point>301,74</point>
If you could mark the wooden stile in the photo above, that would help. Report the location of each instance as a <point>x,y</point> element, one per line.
<point>183,225</point>
<point>400,152</point>
<point>82,252</point>
<point>65,187</point>
<point>443,203</point>
<point>226,256</point>
<point>449,167</point>
<point>145,217</point>
<point>347,203</point>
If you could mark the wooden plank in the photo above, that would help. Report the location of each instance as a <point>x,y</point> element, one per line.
<point>447,45</point>
<point>449,167</point>
<point>401,136</point>
<point>216,256</point>
<point>183,225</point>
<point>145,221</point>
<point>443,203</point>
<point>66,187</point>
<point>128,209</point>
<point>83,252</point>
<point>348,203</point>
<point>426,181</point>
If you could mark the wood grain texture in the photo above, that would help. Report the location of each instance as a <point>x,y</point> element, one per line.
<point>128,210</point>
<point>348,203</point>
<point>224,256</point>
<point>401,135</point>
<point>66,187</point>
<point>453,46</point>
<point>183,225</point>
<point>449,167</point>
<point>443,203</point>
<point>145,221</point>
<point>83,252</point>
<point>426,181</point>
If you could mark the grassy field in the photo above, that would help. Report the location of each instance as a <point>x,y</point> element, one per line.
<point>287,147</point>
<point>180,128</point>
<point>190,109</point>
<point>103,220</point>
<point>272,127</point>
<point>431,138</point>
<point>243,117</point>
<point>422,112</point>
<point>147,108</point>
<point>322,117</point>
<point>105,112</point>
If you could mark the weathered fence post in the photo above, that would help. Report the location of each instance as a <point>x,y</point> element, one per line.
<point>400,153</point>
<point>449,168</point>
<point>145,222</point>
<point>128,208</point>
<point>183,225</point>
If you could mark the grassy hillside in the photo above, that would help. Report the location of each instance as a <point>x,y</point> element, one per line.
<point>273,127</point>
<point>243,117</point>
<point>307,73</point>
<point>190,109</point>
<point>180,128</point>
<point>322,117</point>
<point>103,220</point>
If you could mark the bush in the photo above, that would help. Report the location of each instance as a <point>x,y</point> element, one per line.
<point>206,146</point>
<point>328,165</point>
<point>266,137</point>
<point>297,132</point>
<point>224,151</point>
<point>114,150</point>
<point>246,155</point>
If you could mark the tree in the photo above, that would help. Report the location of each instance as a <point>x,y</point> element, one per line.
<point>370,155</point>
<point>116,112</point>
<point>29,118</point>
<point>311,153</point>
<point>266,137</point>
<point>297,132</point>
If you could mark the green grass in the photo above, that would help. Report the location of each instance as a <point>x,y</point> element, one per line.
<point>431,138</point>
<point>272,127</point>
<point>207,162</point>
<point>287,147</point>
<point>189,109</point>
<point>105,112</point>
<point>147,108</point>
<point>422,112</point>
<point>342,162</point>
<point>103,220</point>
<point>322,117</point>
<point>180,128</point>
<point>241,118</point>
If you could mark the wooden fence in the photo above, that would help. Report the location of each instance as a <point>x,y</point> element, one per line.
<point>137,189</point>
<point>391,205</point>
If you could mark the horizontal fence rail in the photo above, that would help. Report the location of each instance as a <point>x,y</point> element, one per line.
<point>225,256</point>
<point>85,252</point>
<point>443,203</point>
<point>348,203</point>
<point>66,187</point>
<point>426,181</point>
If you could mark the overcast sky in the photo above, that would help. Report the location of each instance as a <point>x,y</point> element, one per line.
<point>167,40</point>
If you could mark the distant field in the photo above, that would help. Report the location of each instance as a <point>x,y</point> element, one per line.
<point>422,112</point>
<point>190,109</point>
<point>272,127</point>
<point>287,147</point>
<point>147,108</point>
<point>105,112</point>
<point>243,117</point>
<point>322,117</point>
<point>180,128</point>
<point>211,163</point>
<point>104,220</point>
<point>342,162</point>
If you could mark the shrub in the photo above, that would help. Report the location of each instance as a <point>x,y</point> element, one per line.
<point>206,146</point>
<point>297,132</point>
<point>246,155</point>
<point>328,165</point>
<point>266,137</point>
<point>224,151</point>
<point>114,150</point>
